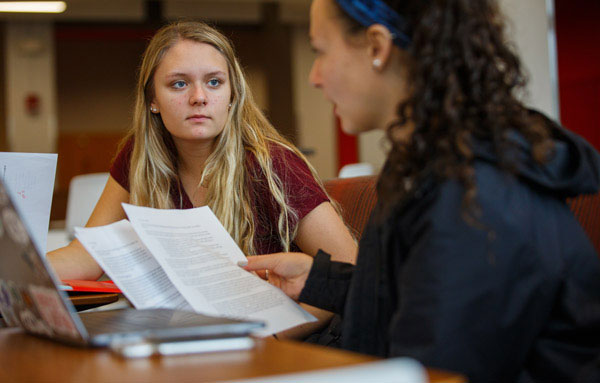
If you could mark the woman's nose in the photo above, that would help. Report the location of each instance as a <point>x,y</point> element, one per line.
<point>314,77</point>
<point>198,96</point>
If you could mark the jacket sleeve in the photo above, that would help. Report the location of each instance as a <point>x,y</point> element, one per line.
<point>327,283</point>
<point>470,297</point>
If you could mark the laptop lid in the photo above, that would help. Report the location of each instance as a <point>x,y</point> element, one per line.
<point>30,298</point>
<point>28,294</point>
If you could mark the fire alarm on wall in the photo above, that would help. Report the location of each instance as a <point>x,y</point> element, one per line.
<point>31,46</point>
<point>32,104</point>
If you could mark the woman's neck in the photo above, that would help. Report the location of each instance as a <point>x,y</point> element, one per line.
<point>394,89</point>
<point>192,156</point>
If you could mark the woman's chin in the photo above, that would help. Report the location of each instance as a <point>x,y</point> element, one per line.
<point>354,129</point>
<point>348,126</point>
<point>350,132</point>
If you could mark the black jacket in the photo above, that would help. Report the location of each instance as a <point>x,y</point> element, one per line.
<point>515,299</point>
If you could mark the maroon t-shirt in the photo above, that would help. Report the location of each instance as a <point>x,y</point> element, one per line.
<point>301,189</point>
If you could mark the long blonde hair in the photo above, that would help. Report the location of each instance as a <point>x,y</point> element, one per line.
<point>154,158</point>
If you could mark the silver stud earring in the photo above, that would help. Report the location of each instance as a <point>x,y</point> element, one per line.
<point>230,104</point>
<point>376,63</point>
<point>153,109</point>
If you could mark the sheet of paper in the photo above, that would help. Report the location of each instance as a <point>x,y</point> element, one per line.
<point>398,370</point>
<point>201,259</point>
<point>125,259</point>
<point>29,178</point>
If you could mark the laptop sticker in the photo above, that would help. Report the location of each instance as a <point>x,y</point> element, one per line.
<point>6,307</point>
<point>32,323</point>
<point>53,311</point>
<point>15,294</point>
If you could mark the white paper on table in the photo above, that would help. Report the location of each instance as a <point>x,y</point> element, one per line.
<point>125,259</point>
<point>201,259</point>
<point>29,178</point>
<point>397,370</point>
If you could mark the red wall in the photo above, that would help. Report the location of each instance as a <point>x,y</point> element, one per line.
<point>347,146</point>
<point>578,41</point>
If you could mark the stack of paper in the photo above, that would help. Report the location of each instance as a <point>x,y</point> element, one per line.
<point>185,259</point>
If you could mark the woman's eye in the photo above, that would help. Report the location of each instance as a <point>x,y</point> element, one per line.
<point>215,82</point>
<point>178,84</point>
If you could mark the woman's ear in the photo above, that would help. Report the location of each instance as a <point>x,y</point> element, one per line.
<point>380,42</point>
<point>153,107</point>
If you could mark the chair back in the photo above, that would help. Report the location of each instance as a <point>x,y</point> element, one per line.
<point>586,208</point>
<point>357,197</point>
<point>356,170</point>
<point>84,192</point>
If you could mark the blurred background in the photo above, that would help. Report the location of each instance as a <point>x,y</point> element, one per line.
<point>67,79</point>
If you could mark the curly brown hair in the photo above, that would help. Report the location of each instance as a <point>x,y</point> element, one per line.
<point>464,80</point>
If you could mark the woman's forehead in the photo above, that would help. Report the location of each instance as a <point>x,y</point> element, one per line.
<point>189,53</point>
<point>322,19</point>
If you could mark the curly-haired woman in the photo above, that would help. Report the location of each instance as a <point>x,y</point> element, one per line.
<point>472,260</point>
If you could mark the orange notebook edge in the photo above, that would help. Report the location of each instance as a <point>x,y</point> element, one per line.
<point>89,286</point>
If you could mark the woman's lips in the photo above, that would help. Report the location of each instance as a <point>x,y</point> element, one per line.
<point>198,118</point>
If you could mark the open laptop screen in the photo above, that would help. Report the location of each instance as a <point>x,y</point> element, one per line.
<point>28,294</point>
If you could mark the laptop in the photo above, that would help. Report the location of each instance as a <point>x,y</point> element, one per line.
<point>30,298</point>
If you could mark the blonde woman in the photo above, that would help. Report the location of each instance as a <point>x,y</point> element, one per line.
<point>198,138</point>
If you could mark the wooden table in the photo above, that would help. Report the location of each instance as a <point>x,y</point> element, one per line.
<point>84,301</point>
<point>25,358</point>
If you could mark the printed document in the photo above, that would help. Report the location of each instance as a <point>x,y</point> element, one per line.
<point>29,179</point>
<point>186,259</point>
<point>396,370</point>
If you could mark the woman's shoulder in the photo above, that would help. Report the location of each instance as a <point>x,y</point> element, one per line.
<point>284,160</point>
<point>282,152</point>
<point>302,190</point>
<point>119,169</point>
<point>500,200</point>
<point>511,209</point>
<point>126,147</point>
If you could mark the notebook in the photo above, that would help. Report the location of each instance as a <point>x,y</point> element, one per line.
<point>30,298</point>
<point>80,286</point>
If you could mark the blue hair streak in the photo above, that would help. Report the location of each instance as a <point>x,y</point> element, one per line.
<point>369,12</point>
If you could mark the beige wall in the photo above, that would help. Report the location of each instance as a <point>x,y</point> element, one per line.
<point>528,27</point>
<point>314,114</point>
<point>29,69</point>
